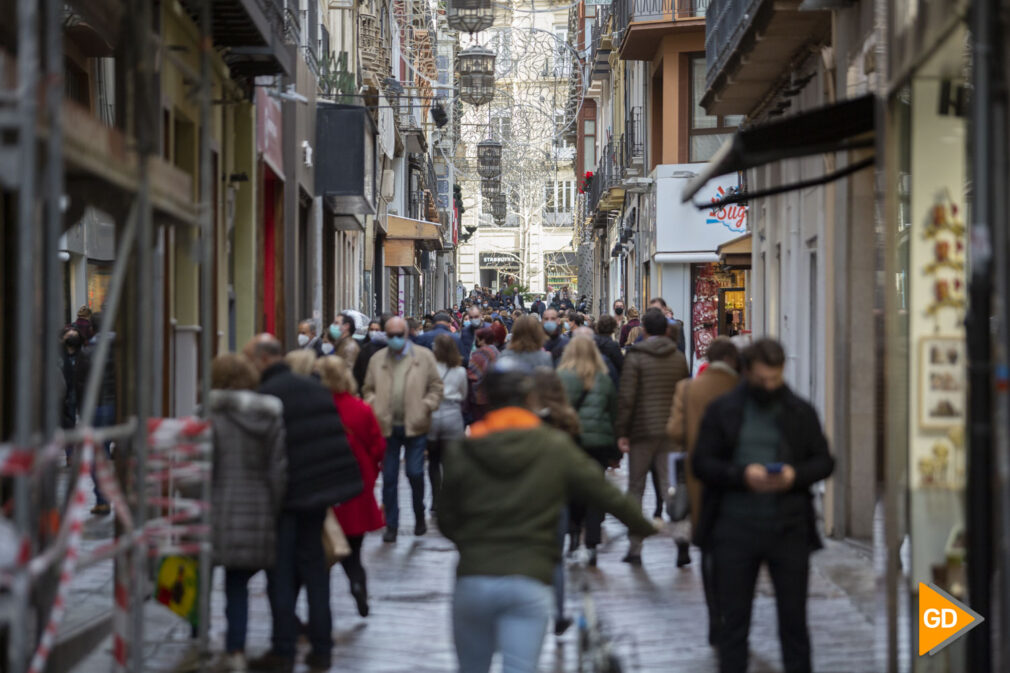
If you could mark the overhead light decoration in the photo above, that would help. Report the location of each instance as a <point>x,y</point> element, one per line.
<point>469,16</point>
<point>476,75</point>
<point>499,208</point>
<point>489,158</point>
<point>490,186</point>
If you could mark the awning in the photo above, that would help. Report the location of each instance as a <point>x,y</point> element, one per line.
<point>736,253</point>
<point>425,235</point>
<point>833,128</point>
<point>685,257</point>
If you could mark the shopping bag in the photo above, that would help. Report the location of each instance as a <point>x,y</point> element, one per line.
<point>334,541</point>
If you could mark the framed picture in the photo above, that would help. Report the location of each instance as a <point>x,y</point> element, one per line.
<point>942,382</point>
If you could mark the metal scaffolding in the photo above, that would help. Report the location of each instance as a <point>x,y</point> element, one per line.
<point>32,171</point>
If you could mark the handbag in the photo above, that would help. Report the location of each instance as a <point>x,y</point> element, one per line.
<point>335,544</point>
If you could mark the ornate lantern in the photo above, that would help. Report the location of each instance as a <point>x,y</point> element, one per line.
<point>476,75</point>
<point>470,16</point>
<point>489,158</point>
<point>499,207</point>
<point>490,186</point>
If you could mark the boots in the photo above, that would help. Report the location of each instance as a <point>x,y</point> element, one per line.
<point>417,493</point>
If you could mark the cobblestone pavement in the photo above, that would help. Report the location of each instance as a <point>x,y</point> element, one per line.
<point>655,613</point>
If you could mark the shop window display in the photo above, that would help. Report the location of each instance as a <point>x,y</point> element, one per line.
<point>718,306</point>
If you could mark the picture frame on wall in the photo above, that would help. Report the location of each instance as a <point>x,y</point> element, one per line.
<point>942,382</point>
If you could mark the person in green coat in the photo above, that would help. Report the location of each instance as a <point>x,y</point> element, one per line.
<point>592,394</point>
<point>502,494</point>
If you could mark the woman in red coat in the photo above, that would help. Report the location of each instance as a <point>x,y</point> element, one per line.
<point>359,515</point>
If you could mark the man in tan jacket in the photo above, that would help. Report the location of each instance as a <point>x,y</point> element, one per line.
<point>689,404</point>
<point>403,387</point>
<point>650,374</point>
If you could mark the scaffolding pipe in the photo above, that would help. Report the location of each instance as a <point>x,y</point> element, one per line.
<point>20,641</point>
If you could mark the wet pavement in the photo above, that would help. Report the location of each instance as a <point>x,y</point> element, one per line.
<point>655,614</point>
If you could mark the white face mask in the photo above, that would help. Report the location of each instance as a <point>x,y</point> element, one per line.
<point>327,348</point>
<point>303,340</point>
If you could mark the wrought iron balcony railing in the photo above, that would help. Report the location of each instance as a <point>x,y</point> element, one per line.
<point>627,12</point>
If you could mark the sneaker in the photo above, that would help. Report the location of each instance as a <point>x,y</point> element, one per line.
<point>561,625</point>
<point>272,662</point>
<point>683,553</point>
<point>360,593</point>
<point>389,535</point>
<point>101,510</point>
<point>318,663</point>
<point>420,528</point>
<point>235,663</point>
<point>633,560</point>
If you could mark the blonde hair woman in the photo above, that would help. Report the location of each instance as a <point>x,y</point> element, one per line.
<point>361,514</point>
<point>301,361</point>
<point>592,394</point>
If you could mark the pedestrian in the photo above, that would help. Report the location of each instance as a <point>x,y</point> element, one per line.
<point>468,337</point>
<point>360,515</point>
<point>609,349</point>
<point>342,332</point>
<point>481,360</point>
<point>635,335</point>
<point>676,326</point>
<point>322,472</point>
<point>375,342</point>
<point>538,306</point>
<point>619,312</point>
<point>652,369</point>
<point>74,370</point>
<point>593,396</point>
<point>301,361</point>
<point>84,324</point>
<point>556,338</point>
<point>447,422</point>
<point>441,324</point>
<point>501,333</point>
<point>527,345</point>
<point>105,404</point>
<point>247,487</point>
<point>307,337</point>
<point>508,551</point>
<point>759,450</point>
<point>691,399</point>
<point>631,324</point>
<point>404,389</point>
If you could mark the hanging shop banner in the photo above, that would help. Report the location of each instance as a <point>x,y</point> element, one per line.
<point>683,228</point>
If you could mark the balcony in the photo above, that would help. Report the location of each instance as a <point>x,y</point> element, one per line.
<point>375,63</point>
<point>748,46</point>
<point>251,32</point>
<point>643,23</point>
<point>602,43</point>
<point>634,144</point>
<point>606,193</point>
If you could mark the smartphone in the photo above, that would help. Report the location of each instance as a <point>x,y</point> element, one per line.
<point>774,468</point>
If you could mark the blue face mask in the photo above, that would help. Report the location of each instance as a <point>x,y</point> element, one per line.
<point>550,326</point>
<point>566,325</point>
<point>476,323</point>
<point>397,343</point>
<point>335,331</point>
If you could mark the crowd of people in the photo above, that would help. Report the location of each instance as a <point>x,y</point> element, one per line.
<point>511,417</point>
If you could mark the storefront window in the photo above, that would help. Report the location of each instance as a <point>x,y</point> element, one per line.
<point>718,306</point>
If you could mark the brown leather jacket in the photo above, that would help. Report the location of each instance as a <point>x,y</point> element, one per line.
<point>651,372</point>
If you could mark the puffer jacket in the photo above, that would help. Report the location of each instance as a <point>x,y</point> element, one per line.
<point>649,379</point>
<point>322,470</point>
<point>596,412</point>
<point>249,478</point>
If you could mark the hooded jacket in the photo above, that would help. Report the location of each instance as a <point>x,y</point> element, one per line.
<point>249,478</point>
<point>596,412</point>
<point>322,471</point>
<point>503,490</point>
<point>649,378</point>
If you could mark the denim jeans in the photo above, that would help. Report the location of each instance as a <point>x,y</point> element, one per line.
<point>413,449</point>
<point>236,610</point>
<point>506,614</point>
<point>105,415</point>
<point>300,561</point>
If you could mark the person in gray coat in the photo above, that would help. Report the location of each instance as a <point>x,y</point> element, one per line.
<point>249,480</point>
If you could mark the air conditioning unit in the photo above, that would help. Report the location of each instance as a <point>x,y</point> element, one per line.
<point>387,187</point>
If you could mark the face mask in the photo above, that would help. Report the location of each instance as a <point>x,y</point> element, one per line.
<point>327,348</point>
<point>476,323</point>
<point>359,337</point>
<point>335,331</point>
<point>566,326</point>
<point>550,326</point>
<point>619,311</point>
<point>763,396</point>
<point>303,340</point>
<point>397,343</point>
<point>378,336</point>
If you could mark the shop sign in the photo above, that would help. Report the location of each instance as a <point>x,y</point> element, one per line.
<point>733,217</point>
<point>499,260</point>
<point>269,141</point>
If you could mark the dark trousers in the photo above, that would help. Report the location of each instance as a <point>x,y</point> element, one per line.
<point>300,560</point>
<point>413,457</point>
<point>352,564</point>
<point>105,415</point>
<point>435,469</point>
<point>589,518</point>
<point>236,610</point>
<point>739,549</point>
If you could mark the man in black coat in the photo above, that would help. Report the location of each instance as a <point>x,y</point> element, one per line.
<point>759,450</point>
<point>442,322</point>
<point>608,347</point>
<point>538,307</point>
<point>322,472</point>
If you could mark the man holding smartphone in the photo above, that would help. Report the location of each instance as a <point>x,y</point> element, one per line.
<point>759,450</point>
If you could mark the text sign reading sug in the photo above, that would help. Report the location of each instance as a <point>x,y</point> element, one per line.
<point>942,619</point>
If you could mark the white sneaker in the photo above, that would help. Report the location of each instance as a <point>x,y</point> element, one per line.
<point>235,663</point>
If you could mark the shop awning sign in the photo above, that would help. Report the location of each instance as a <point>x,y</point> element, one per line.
<point>733,217</point>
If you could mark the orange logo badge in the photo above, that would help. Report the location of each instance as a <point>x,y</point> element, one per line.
<point>942,619</point>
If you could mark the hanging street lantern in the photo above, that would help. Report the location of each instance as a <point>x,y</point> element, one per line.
<point>499,207</point>
<point>489,158</point>
<point>490,186</point>
<point>476,75</point>
<point>469,16</point>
